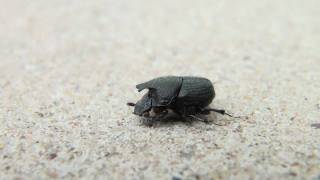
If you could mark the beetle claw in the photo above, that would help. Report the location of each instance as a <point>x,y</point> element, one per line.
<point>232,115</point>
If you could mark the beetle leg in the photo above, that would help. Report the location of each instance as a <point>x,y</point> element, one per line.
<point>161,115</point>
<point>150,120</point>
<point>199,119</point>
<point>205,120</point>
<point>220,111</point>
<point>164,113</point>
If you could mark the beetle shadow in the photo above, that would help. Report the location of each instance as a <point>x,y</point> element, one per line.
<point>169,120</point>
<point>174,119</point>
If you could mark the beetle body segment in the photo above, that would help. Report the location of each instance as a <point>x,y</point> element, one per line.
<point>196,91</point>
<point>162,90</point>
<point>195,94</point>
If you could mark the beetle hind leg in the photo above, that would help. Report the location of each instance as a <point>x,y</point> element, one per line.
<point>220,111</point>
<point>199,119</point>
<point>205,120</point>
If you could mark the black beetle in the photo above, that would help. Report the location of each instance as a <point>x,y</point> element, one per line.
<point>186,96</point>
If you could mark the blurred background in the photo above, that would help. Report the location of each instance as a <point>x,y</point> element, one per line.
<point>67,69</point>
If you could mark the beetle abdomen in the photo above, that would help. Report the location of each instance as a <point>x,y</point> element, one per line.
<point>196,91</point>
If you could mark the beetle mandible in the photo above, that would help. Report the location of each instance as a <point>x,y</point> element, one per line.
<point>186,96</point>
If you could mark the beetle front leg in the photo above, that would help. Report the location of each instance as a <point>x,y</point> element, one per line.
<point>149,121</point>
<point>161,115</point>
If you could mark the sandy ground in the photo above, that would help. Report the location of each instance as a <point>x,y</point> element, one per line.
<point>67,69</point>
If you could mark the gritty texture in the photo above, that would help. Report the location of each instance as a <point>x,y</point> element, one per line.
<point>68,68</point>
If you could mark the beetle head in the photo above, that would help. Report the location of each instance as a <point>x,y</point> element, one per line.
<point>143,106</point>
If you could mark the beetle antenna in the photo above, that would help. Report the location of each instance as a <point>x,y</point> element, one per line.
<point>223,112</point>
<point>131,104</point>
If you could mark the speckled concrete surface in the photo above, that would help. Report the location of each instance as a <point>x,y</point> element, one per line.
<point>67,69</point>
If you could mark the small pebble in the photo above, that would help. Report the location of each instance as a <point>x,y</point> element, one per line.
<point>176,178</point>
<point>316,125</point>
<point>52,156</point>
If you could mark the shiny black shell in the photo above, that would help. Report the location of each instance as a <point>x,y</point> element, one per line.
<point>185,95</point>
